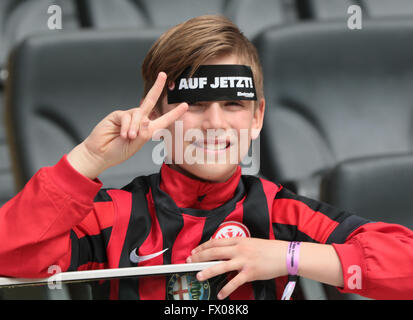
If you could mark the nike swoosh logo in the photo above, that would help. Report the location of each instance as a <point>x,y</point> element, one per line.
<point>136,258</point>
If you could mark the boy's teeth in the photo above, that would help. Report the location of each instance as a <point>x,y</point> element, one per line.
<point>212,146</point>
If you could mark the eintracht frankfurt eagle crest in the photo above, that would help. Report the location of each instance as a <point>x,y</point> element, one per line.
<point>231,229</point>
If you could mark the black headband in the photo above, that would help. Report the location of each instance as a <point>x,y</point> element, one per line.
<point>218,82</point>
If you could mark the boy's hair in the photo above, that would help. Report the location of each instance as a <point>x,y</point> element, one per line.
<point>192,43</point>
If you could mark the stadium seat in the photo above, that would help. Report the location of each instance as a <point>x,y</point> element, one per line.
<point>378,187</point>
<point>18,19</point>
<point>70,82</point>
<point>383,8</point>
<point>7,189</point>
<point>60,87</point>
<point>332,95</point>
<point>330,9</point>
<point>325,9</point>
<point>338,115</point>
<point>250,17</point>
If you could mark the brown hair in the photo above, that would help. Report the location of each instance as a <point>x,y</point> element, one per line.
<point>192,43</point>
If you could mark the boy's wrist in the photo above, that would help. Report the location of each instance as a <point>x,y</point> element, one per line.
<point>72,182</point>
<point>84,162</point>
<point>321,263</point>
<point>293,258</point>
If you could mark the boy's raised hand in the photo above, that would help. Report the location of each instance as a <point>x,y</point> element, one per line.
<point>122,133</point>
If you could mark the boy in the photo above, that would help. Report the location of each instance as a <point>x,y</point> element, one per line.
<point>179,215</point>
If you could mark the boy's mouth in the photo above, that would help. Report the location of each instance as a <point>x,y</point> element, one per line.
<point>213,145</point>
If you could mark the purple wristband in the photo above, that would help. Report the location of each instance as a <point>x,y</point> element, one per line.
<point>293,254</point>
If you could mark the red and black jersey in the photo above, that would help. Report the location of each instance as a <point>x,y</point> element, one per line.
<point>64,218</point>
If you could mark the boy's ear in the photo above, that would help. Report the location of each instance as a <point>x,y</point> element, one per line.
<point>258,119</point>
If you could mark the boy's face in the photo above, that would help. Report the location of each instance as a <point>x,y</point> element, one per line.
<point>213,136</point>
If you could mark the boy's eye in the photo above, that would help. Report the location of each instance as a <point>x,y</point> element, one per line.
<point>195,104</point>
<point>234,103</point>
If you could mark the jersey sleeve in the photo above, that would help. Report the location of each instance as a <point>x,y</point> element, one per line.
<point>297,218</point>
<point>376,257</point>
<point>54,221</point>
<point>377,261</point>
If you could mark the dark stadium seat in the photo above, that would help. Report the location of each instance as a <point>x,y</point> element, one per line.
<point>378,187</point>
<point>324,9</point>
<point>21,18</point>
<point>384,8</point>
<point>332,95</point>
<point>330,9</point>
<point>62,86</point>
<point>247,14</point>
<point>339,115</point>
<point>252,17</point>
<point>18,19</point>
<point>7,189</point>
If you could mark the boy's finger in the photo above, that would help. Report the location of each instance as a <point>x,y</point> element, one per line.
<point>135,122</point>
<point>221,253</point>
<point>125,120</point>
<point>232,285</point>
<point>169,117</point>
<point>154,93</point>
<point>217,269</point>
<point>216,243</point>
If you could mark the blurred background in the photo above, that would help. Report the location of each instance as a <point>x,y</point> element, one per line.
<point>338,82</point>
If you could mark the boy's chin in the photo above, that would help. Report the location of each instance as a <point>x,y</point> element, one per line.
<point>210,172</point>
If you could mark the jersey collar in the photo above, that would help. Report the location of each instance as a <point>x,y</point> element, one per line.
<point>192,193</point>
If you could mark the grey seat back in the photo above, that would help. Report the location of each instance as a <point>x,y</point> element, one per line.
<point>251,16</point>
<point>62,86</point>
<point>331,9</point>
<point>335,94</point>
<point>19,19</point>
<point>379,188</point>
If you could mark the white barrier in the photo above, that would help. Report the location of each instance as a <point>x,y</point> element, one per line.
<point>92,275</point>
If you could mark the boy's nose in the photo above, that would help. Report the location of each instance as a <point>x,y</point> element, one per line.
<point>214,117</point>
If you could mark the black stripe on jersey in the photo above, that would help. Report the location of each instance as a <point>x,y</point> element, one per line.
<point>138,229</point>
<point>256,214</point>
<point>169,217</point>
<point>102,196</point>
<point>345,228</point>
<point>288,232</point>
<point>89,248</point>
<point>319,206</point>
<point>170,220</point>
<point>348,222</point>
<point>257,218</point>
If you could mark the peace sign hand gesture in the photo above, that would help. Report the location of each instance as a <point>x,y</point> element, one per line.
<point>122,133</point>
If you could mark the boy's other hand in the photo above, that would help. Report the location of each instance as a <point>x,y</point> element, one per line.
<point>122,133</point>
<point>253,259</point>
